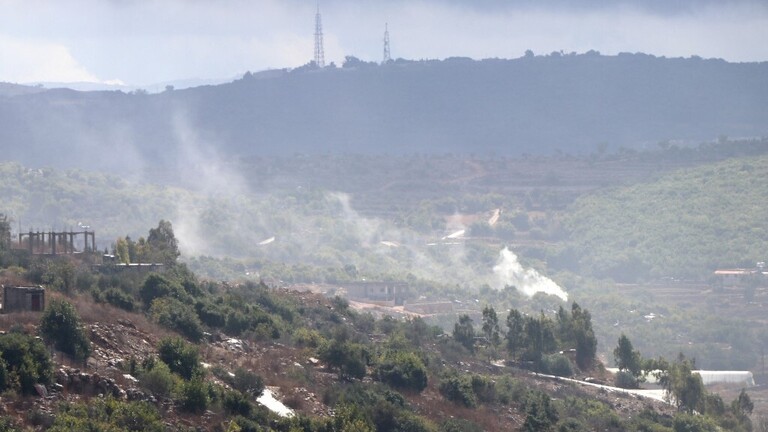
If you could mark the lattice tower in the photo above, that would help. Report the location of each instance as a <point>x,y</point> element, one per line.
<point>387,57</point>
<point>319,52</point>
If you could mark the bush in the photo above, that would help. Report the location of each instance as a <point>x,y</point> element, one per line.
<point>8,425</point>
<point>181,357</point>
<point>305,337</point>
<point>693,423</point>
<point>484,388</point>
<point>559,365</point>
<point>157,286</point>
<point>236,323</point>
<point>540,414</point>
<point>177,316</point>
<point>119,298</point>
<point>459,425</point>
<point>210,314</point>
<point>403,370</point>
<point>457,388</point>
<point>625,380</point>
<point>159,380</point>
<point>350,359</point>
<point>194,396</point>
<point>248,382</point>
<point>60,325</point>
<point>107,415</point>
<point>4,381</point>
<point>25,362</point>
<point>235,403</point>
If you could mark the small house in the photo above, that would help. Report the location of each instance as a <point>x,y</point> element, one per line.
<point>23,299</point>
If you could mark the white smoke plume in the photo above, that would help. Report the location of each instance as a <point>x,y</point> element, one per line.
<point>509,272</point>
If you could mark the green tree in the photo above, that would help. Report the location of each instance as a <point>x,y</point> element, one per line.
<point>163,244</point>
<point>491,326</point>
<point>60,325</point>
<point>743,404</point>
<point>122,251</point>
<point>515,333</point>
<point>583,336</point>
<point>684,388</point>
<point>464,332</point>
<point>539,339</point>
<point>628,359</point>
<point>5,232</point>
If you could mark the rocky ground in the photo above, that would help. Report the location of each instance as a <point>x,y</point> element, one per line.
<point>293,374</point>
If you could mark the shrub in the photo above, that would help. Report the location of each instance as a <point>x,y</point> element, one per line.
<point>457,388</point>
<point>7,425</point>
<point>119,298</point>
<point>559,365</point>
<point>484,388</point>
<point>235,403</point>
<point>210,314</point>
<point>571,425</point>
<point>692,422</point>
<point>402,370</point>
<point>3,375</point>
<point>510,390</point>
<point>194,395</point>
<point>459,425</point>
<point>348,358</point>
<point>159,380</point>
<point>248,382</point>
<point>625,379</point>
<point>107,415</point>
<point>60,325</point>
<point>25,361</point>
<point>305,337</point>
<point>236,323</point>
<point>177,316</point>
<point>157,286</point>
<point>181,357</point>
<point>540,414</point>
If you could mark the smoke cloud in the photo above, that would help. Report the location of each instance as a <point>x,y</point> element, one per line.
<point>509,272</point>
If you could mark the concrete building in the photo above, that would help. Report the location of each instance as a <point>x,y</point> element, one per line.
<point>23,299</point>
<point>376,292</point>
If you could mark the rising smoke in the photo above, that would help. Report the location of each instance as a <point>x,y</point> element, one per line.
<point>509,272</point>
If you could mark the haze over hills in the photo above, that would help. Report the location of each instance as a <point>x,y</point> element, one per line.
<point>535,104</point>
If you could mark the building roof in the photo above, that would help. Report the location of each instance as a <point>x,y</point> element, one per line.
<point>734,272</point>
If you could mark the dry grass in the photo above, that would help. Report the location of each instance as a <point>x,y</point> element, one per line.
<point>27,320</point>
<point>91,312</point>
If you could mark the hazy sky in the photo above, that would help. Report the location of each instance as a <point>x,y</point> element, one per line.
<point>141,42</point>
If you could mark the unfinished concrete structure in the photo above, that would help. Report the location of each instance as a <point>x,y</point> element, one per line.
<point>23,299</point>
<point>376,292</point>
<point>53,243</point>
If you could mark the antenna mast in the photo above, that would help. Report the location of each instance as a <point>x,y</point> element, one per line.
<point>319,52</point>
<point>387,57</point>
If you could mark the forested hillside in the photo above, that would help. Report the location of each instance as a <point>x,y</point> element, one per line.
<point>685,224</point>
<point>535,104</point>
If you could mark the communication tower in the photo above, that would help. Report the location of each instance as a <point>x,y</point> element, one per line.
<point>319,52</point>
<point>387,57</point>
